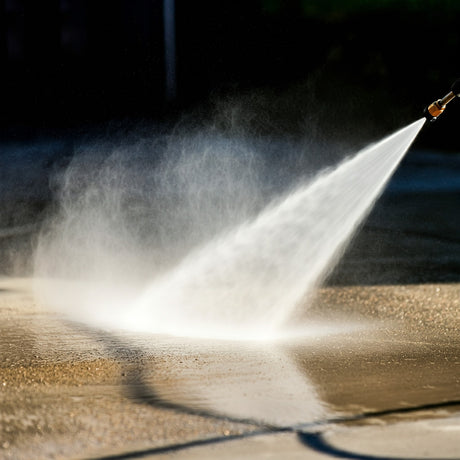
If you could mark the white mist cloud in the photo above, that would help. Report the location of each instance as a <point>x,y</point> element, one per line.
<point>175,236</point>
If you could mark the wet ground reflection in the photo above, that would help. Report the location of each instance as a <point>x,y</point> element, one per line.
<point>303,382</point>
<point>247,383</point>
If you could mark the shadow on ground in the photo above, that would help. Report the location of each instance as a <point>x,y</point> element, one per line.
<point>138,380</point>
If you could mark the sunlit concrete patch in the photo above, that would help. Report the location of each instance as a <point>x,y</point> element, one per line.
<point>434,439</point>
<point>429,439</point>
<point>273,446</point>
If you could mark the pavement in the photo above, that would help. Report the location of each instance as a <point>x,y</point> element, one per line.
<point>375,374</point>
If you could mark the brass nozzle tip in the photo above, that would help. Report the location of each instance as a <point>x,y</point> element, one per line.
<point>435,109</point>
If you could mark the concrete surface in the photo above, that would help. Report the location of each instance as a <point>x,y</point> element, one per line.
<point>376,375</point>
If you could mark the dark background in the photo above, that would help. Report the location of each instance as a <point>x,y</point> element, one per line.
<point>339,73</point>
<point>74,63</point>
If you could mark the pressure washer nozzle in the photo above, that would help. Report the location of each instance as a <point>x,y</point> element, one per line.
<point>435,109</point>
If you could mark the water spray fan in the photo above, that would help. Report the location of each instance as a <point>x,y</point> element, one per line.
<point>435,109</point>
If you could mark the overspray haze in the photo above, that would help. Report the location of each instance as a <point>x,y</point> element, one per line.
<point>191,239</point>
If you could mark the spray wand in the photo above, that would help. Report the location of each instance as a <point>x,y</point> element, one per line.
<point>435,109</point>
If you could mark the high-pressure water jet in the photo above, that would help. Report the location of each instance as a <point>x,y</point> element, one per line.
<point>164,266</point>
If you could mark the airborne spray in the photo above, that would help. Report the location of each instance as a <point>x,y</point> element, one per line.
<point>192,252</point>
<point>248,282</point>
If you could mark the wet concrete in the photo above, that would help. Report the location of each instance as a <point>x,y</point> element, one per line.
<point>374,373</point>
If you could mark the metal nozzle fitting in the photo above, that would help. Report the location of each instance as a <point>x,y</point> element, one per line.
<point>435,109</point>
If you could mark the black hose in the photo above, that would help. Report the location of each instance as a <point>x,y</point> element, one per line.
<point>456,88</point>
